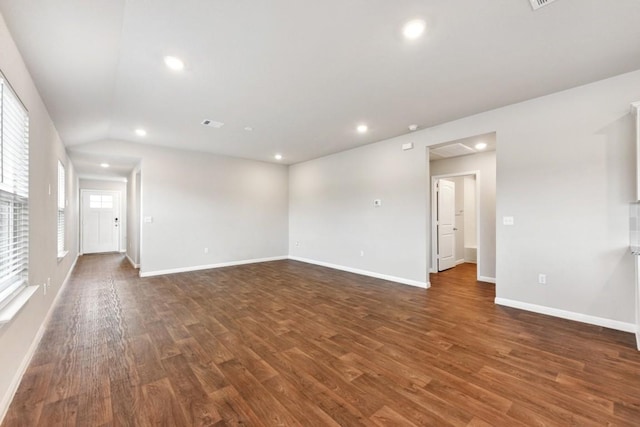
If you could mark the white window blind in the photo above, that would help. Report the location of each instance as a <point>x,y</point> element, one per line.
<point>61,207</point>
<point>14,193</point>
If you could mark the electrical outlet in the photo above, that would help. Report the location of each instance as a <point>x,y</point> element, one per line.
<point>361,253</point>
<point>206,250</point>
<point>542,279</point>
<point>297,243</point>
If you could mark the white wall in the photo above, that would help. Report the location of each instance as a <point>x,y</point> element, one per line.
<point>333,219</point>
<point>110,185</point>
<point>485,163</point>
<point>565,172</point>
<point>45,148</point>
<point>236,208</point>
<point>458,181</point>
<point>470,235</point>
<point>134,195</point>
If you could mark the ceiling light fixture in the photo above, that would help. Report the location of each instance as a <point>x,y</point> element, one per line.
<point>481,145</point>
<point>413,127</point>
<point>414,29</point>
<point>248,128</point>
<point>104,165</point>
<point>141,132</point>
<point>278,156</point>
<point>362,128</point>
<point>174,63</point>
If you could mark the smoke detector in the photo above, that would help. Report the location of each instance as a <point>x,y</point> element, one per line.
<point>212,123</point>
<point>537,4</point>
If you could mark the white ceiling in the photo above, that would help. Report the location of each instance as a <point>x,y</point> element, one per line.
<point>303,74</point>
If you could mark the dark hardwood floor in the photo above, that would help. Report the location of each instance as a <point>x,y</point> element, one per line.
<point>286,343</point>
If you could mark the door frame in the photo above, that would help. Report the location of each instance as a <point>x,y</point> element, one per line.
<point>116,193</point>
<point>434,215</point>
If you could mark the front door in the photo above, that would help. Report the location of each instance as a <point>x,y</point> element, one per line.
<point>446,224</point>
<point>100,221</point>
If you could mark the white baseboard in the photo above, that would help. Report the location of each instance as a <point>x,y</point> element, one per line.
<point>487,279</point>
<point>570,315</point>
<point>17,378</point>
<point>209,266</point>
<point>133,264</point>
<point>424,285</point>
<point>460,261</point>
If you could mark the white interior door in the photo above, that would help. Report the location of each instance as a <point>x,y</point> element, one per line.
<point>446,224</point>
<point>100,221</point>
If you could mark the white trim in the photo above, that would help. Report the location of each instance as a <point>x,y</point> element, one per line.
<point>487,279</point>
<point>424,285</point>
<point>12,308</point>
<point>460,261</point>
<point>17,378</point>
<point>62,254</point>
<point>570,315</point>
<point>133,264</point>
<point>209,266</point>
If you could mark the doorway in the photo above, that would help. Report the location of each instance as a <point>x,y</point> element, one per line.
<point>101,220</point>
<point>471,164</point>
<point>455,204</point>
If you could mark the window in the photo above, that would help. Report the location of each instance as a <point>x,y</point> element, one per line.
<point>14,194</point>
<point>61,206</point>
<point>97,201</point>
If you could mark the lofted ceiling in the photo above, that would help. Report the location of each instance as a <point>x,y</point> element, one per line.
<point>303,74</point>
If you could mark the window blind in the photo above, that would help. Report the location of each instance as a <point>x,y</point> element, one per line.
<point>14,193</point>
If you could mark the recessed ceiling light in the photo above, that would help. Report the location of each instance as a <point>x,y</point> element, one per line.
<point>481,145</point>
<point>362,128</point>
<point>413,127</point>
<point>104,165</point>
<point>174,63</point>
<point>278,156</point>
<point>414,29</point>
<point>141,132</point>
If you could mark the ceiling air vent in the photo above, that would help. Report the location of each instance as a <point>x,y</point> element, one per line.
<point>212,123</point>
<point>453,150</point>
<point>537,4</point>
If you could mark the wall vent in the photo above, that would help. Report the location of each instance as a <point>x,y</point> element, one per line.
<point>537,4</point>
<point>212,123</point>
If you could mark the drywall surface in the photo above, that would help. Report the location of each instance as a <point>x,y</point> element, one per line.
<point>485,163</point>
<point>134,194</point>
<point>202,210</point>
<point>458,181</point>
<point>333,218</point>
<point>470,226</point>
<point>45,148</point>
<point>565,172</point>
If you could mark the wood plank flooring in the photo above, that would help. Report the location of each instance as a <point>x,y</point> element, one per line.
<point>291,344</point>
